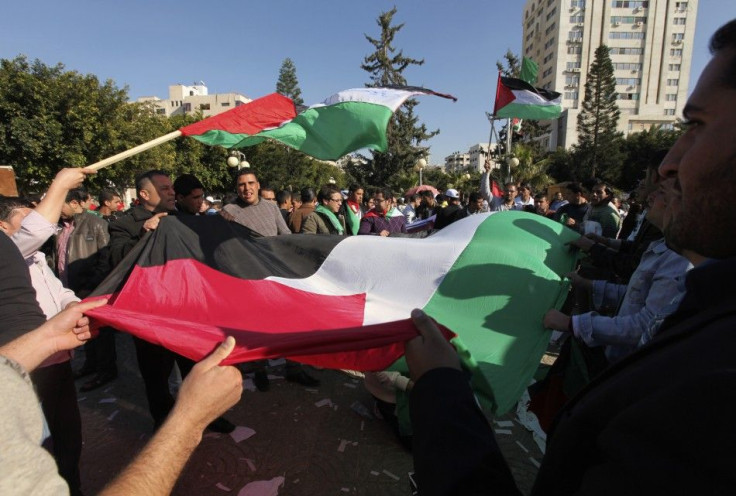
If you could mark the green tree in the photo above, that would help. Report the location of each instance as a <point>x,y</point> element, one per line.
<point>599,144</point>
<point>51,118</point>
<point>288,85</point>
<point>386,66</point>
<point>531,169</point>
<point>640,150</point>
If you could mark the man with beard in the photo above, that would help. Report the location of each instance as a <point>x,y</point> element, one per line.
<point>660,421</point>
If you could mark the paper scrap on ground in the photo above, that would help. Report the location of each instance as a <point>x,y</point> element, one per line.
<point>220,485</point>
<point>108,400</point>
<point>393,476</point>
<point>248,384</point>
<point>241,433</point>
<point>263,488</point>
<point>324,402</point>
<point>343,443</point>
<point>112,415</point>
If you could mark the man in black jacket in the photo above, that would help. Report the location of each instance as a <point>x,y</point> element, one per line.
<point>659,421</point>
<point>156,195</point>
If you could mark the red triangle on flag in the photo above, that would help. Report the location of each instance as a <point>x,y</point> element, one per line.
<point>504,96</point>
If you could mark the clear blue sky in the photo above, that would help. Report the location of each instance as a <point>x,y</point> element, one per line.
<point>238,46</point>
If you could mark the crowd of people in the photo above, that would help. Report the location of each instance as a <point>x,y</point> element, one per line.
<point>655,416</point>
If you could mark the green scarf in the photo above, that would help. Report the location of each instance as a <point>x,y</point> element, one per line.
<point>321,209</point>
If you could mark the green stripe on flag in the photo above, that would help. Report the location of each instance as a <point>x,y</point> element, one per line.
<point>495,296</point>
<point>329,132</point>
<point>530,112</point>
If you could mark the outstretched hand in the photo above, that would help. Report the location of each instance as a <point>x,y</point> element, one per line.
<point>430,350</point>
<point>556,320</point>
<point>210,389</point>
<point>69,328</point>
<point>583,242</point>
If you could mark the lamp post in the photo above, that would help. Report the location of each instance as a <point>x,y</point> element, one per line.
<point>511,162</point>
<point>237,159</point>
<point>419,166</point>
<point>331,180</point>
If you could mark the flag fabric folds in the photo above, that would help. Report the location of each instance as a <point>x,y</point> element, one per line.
<point>529,70</point>
<point>344,302</point>
<point>517,98</point>
<point>343,123</point>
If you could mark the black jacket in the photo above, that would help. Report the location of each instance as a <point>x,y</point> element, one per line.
<point>126,231</point>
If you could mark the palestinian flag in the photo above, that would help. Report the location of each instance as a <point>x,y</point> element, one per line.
<point>344,302</point>
<point>517,98</point>
<point>343,123</point>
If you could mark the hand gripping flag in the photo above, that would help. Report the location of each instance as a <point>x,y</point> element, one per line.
<point>344,302</point>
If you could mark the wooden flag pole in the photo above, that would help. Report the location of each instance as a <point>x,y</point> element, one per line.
<point>134,151</point>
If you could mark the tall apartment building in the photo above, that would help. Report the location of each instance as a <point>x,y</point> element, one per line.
<point>191,99</point>
<point>651,46</point>
<point>472,160</point>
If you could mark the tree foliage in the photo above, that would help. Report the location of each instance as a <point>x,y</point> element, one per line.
<point>287,84</point>
<point>641,150</point>
<point>599,144</point>
<point>386,66</point>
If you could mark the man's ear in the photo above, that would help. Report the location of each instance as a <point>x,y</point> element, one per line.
<point>143,194</point>
<point>4,226</point>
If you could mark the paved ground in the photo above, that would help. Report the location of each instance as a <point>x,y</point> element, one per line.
<point>312,438</point>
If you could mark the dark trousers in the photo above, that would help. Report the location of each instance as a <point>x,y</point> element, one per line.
<point>100,353</point>
<point>156,363</point>
<point>55,388</point>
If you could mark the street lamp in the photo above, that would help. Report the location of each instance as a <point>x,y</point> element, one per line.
<point>511,162</point>
<point>331,180</point>
<point>237,159</point>
<point>421,164</point>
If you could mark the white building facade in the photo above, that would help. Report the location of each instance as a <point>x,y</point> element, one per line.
<point>185,99</point>
<point>650,45</point>
<point>472,160</point>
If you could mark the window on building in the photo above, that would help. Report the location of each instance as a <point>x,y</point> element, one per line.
<point>679,21</point>
<point>551,13</point>
<point>626,51</point>
<point>627,96</point>
<point>675,52</point>
<point>577,4</point>
<point>187,107</point>
<point>674,67</point>
<point>629,5</point>
<point>576,35</point>
<point>191,93</point>
<point>681,6</point>
<point>548,58</point>
<point>225,104</point>
<point>572,80</point>
<point>573,65</point>
<point>671,97</point>
<point>627,35</point>
<point>673,82</point>
<point>161,111</point>
<point>550,28</point>
<point>668,127</point>
<point>628,81</point>
<point>575,50</point>
<point>571,95</point>
<point>669,111</point>
<point>628,19</point>
<point>204,106</point>
<point>627,66</point>
<point>678,36</point>
<point>547,72</point>
<point>577,18</point>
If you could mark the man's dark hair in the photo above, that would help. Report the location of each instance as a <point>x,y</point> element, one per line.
<point>427,194</point>
<point>326,191</point>
<point>10,203</point>
<point>474,197</point>
<point>414,198</point>
<point>283,196</point>
<point>387,194</point>
<point>575,188</point>
<point>354,187</point>
<point>142,179</point>
<point>79,194</point>
<point>527,186</point>
<point>186,183</point>
<point>266,188</point>
<point>539,196</point>
<point>244,172</point>
<point>106,195</point>
<point>307,195</point>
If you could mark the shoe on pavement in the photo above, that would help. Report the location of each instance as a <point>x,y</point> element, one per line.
<point>221,425</point>
<point>261,381</point>
<point>98,381</point>
<point>301,377</point>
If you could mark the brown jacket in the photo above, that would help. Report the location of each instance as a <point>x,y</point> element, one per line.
<point>87,253</point>
<point>297,217</point>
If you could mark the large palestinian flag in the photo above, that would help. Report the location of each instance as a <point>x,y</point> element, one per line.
<point>344,302</point>
<point>343,123</point>
<point>517,98</point>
